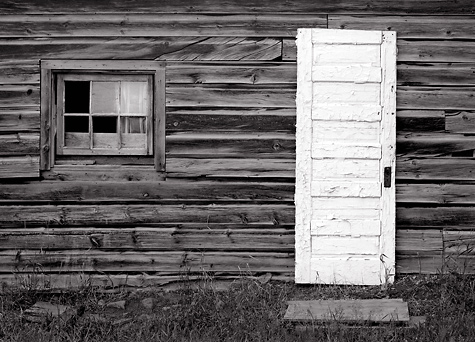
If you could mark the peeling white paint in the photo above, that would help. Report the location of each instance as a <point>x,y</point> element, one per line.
<point>345,138</point>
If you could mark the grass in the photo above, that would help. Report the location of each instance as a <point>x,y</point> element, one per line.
<point>246,311</point>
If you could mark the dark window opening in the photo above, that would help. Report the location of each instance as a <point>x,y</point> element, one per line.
<point>76,96</point>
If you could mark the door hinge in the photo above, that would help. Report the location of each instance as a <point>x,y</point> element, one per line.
<point>387,177</point>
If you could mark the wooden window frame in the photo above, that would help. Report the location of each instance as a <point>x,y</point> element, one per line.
<point>50,69</point>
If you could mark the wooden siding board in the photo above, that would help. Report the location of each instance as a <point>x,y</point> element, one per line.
<point>435,169</point>
<point>416,27</point>
<point>193,120</point>
<point>150,239</point>
<point>20,144</point>
<point>163,48</point>
<point>149,25</point>
<point>439,216</point>
<point>166,191</point>
<point>241,6</point>
<point>436,193</point>
<point>420,120</point>
<point>432,144</point>
<point>231,96</point>
<point>123,261</point>
<point>436,74</point>
<point>87,215</point>
<point>19,167</point>
<point>19,121</point>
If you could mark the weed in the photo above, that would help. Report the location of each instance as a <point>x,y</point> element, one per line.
<point>246,311</point>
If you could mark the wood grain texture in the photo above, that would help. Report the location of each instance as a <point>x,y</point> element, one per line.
<point>19,144</point>
<point>435,216</point>
<point>149,25</point>
<point>432,144</point>
<point>19,121</point>
<point>163,48</point>
<point>159,192</point>
<point>20,167</point>
<point>418,242</point>
<point>436,193</point>
<point>435,169</point>
<point>241,6</point>
<point>230,144</point>
<point>178,168</point>
<point>453,98</point>
<point>420,120</point>
<point>229,120</point>
<point>418,27</point>
<point>231,96</point>
<point>460,122</point>
<point>436,74</point>
<point>361,310</point>
<point>260,239</point>
<point>166,262</point>
<point>133,214</point>
<point>231,72</point>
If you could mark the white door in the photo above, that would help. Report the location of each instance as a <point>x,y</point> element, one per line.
<point>345,164</point>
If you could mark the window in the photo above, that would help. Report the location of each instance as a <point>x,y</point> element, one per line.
<point>102,108</point>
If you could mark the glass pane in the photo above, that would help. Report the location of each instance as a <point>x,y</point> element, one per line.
<point>105,97</point>
<point>76,124</point>
<point>104,124</point>
<point>134,98</point>
<point>76,96</point>
<point>132,124</point>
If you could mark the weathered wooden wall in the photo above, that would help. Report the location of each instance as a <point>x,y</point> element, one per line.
<point>227,203</point>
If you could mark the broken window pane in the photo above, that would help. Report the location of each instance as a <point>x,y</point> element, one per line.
<point>76,124</point>
<point>76,96</point>
<point>104,124</point>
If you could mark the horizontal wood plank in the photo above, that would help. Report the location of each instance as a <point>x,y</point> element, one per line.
<point>419,242</point>
<point>437,193</point>
<point>435,216</point>
<point>432,144</point>
<point>136,214</point>
<point>436,74</point>
<point>19,144</point>
<point>242,6</point>
<point>231,96</point>
<point>443,169</point>
<point>168,262</point>
<point>342,150</point>
<point>149,25</point>
<point>20,167</point>
<point>419,264</point>
<point>149,239</point>
<point>419,27</point>
<point>163,48</point>
<point>420,120</point>
<point>230,144</point>
<point>453,98</point>
<point>19,121</point>
<point>178,168</point>
<point>230,120</point>
<point>460,122</point>
<point>346,112</point>
<point>231,72</point>
<point>169,190</point>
